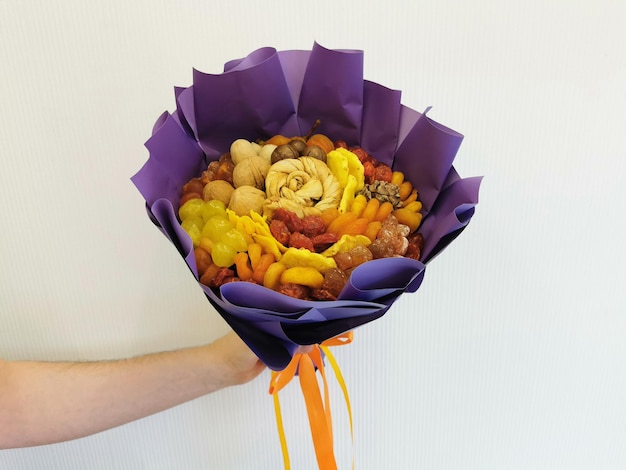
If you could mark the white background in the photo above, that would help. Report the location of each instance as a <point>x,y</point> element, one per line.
<point>512,355</point>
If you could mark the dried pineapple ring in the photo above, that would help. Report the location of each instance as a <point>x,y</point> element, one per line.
<point>306,183</point>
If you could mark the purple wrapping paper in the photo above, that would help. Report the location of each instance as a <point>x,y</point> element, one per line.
<point>283,92</point>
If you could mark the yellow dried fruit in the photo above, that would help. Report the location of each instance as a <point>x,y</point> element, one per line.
<point>303,275</point>
<point>271,280</point>
<point>409,218</point>
<point>342,163</point>
<point>346,243</point>
<point>294,257</point>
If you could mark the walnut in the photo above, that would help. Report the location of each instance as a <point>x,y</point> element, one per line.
<point>245,199</point>
<point>218,189</point>
<point>251,172</point>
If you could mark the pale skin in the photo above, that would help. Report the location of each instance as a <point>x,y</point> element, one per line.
<point>49,402</point>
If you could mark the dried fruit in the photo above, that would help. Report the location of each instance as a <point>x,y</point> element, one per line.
<point>304,275</point>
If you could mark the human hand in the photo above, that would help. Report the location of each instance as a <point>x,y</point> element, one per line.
<point>238,364</point>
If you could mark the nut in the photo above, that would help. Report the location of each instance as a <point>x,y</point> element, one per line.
<point>241,149</point>
<point>283,152</point>
<point>245,199</point>
<point>314,151</point>
<point>251,172</point>
<point>218,189</point>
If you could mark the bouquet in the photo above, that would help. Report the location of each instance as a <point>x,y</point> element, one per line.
<point>257,100</point>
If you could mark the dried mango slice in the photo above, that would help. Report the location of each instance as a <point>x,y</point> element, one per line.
<point>305,275</point>
<point>269,245</point>
<point>301,257</point>
<point>346,243</point>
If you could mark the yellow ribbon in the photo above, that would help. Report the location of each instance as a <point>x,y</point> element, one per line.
<point>318,411</point>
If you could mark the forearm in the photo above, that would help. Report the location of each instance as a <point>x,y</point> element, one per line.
<point>50,402</point>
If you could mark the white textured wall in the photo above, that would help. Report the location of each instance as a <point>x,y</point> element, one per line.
<point>511,355</point>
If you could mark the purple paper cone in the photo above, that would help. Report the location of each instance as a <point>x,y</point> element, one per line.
<point>270,92</point>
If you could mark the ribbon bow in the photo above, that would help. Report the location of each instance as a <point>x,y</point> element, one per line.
<point>320,421</point>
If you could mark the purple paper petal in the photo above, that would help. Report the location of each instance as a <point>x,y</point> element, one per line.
<point>174,159</point>
<point>380,121</point>
<point>451,213</point>
<point>332,91</point>
<point>380,278</point>
<point>425,157</point>
<point>240,103</point>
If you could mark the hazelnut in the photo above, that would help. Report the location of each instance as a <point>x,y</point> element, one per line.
<point>315,151</point>
<point>298,144</point>
<point>283,152</point>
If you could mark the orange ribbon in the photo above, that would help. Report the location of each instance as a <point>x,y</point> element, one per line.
<point>318,411</point>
